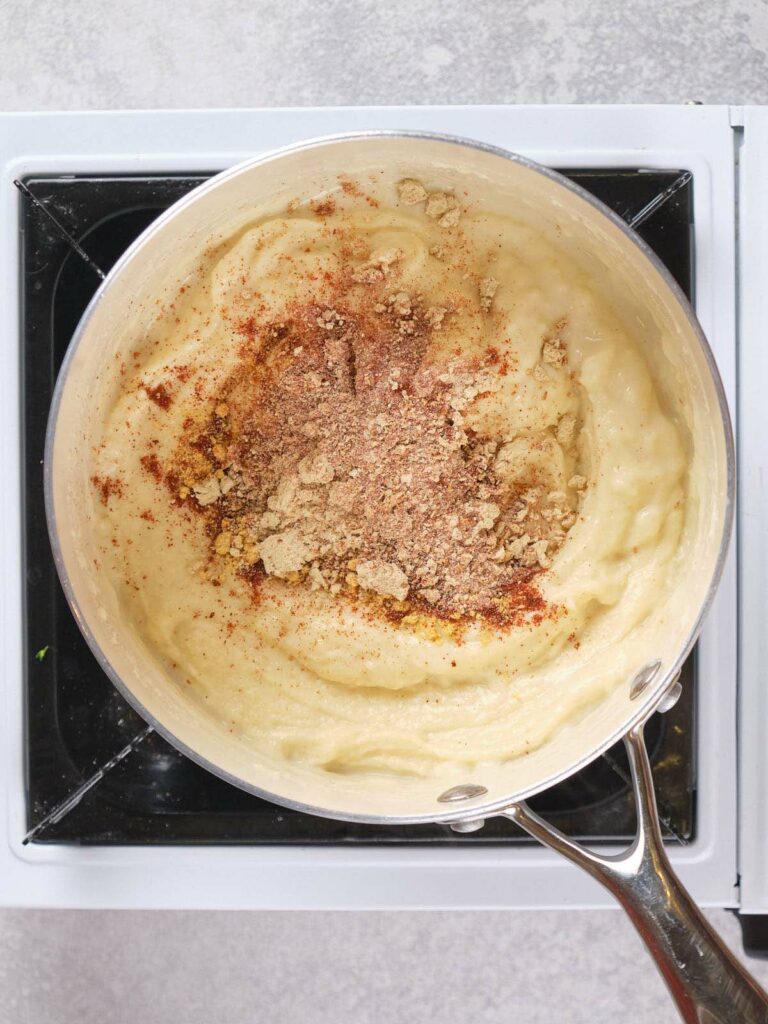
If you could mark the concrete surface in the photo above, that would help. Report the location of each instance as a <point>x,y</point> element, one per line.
<point>80,967</point>
<point>208,968</point>
<point>167,53</point>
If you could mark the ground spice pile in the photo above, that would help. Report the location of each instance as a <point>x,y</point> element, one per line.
<point>339,459</point>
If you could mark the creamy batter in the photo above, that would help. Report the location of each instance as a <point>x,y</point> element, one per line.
<point>270,606</point>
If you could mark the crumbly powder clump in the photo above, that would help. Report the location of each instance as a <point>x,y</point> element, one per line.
<point>488,288</point>
<point>411,192</point>
<point>442,207</point>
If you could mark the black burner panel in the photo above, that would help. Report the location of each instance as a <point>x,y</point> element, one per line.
<point>76,720</point>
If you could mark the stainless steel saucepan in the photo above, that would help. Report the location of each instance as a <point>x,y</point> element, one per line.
<point>706,981</point>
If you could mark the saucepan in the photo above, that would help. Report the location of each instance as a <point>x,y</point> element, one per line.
<point>706,981</point>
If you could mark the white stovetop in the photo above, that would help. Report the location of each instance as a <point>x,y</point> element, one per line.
<point>698,138</point>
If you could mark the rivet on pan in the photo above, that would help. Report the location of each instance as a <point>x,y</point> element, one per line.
<point>471,825</point>
<point>643,679</point>
<point>672,696</point>
<point>465,792</point>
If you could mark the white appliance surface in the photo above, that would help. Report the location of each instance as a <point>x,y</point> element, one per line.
<point>698,138</point>
<point>753,511</point>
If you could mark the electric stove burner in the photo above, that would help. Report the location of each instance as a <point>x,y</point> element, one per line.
<point>73,229</point>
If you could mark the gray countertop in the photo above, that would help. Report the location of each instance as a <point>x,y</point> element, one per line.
<point>577,967</point>
<point>167,53</point>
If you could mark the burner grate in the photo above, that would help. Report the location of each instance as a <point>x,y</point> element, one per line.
<point>95,772</point>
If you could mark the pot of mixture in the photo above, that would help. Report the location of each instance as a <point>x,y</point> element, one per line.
<point>389,477</point>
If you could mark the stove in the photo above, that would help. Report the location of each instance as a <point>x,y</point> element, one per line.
<point>76,720</point>
<point>117,816</point>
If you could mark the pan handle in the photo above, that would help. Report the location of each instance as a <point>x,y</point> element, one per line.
<point>705,979</point>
